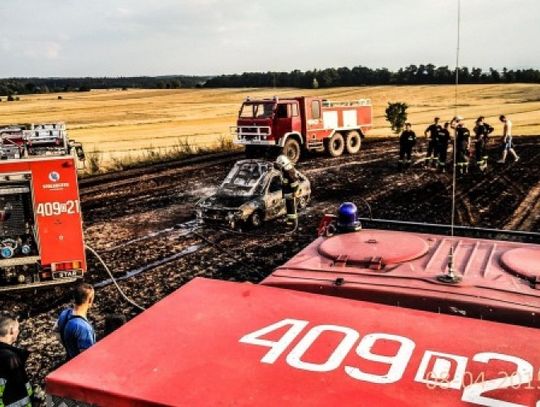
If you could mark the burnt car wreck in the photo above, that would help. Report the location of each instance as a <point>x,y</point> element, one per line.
<point>250,195</point>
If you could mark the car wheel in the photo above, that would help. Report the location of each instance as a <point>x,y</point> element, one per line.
<point>353,142</point>
<point>256,219</point>
<point>291,149</point>
<point>335,145</point>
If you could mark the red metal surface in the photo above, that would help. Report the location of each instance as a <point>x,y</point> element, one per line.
<point>54,180</point>
<point>202,346</point>
<point>523,261</point>
<point>487,289</point>
<point>390,247</point>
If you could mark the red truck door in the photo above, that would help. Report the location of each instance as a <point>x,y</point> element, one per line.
<point>58,215</point>
<point>286,119</point>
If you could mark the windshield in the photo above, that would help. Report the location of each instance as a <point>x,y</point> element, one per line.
<point>257,110</point>
<point>245,179</point>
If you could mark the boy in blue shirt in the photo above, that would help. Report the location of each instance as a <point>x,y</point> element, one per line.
<point>76,333</point>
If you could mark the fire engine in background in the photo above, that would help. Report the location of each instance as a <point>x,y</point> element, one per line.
<point>291,125</point>
<point>41,240</point>
<point>410,328</point>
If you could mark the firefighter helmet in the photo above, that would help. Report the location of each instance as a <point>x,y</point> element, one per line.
<point>283,162</point>
<point>348,217</point>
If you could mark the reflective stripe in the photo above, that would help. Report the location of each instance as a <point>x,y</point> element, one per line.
<point>2,388</point>
<point>292,216</point>
<point>24,402</point>
<point>288,196</point>
<point>294,184</point>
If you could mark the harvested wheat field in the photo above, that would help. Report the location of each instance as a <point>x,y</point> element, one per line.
<point>118,123</point>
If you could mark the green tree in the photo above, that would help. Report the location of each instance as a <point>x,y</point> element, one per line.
<point>396,114</point>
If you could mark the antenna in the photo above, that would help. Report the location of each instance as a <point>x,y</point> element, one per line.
<point>450,277</point>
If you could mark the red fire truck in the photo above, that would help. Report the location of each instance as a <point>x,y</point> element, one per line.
<point>308,123</point>
<point>369,317</point>
<point>41,240</point>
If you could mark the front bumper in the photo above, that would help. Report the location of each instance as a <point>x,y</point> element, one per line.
<point>253,135</point>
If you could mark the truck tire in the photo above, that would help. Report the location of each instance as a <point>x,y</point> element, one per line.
<point>336,145</point>
<point>353,142</point>
<point>292,150</point>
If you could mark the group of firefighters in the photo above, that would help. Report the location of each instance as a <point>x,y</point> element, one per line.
<point>438,138</point>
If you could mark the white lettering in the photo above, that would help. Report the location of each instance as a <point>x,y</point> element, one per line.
<point>440,374</point>
<point>522,374</point>
<point>294,358</point>
<point>398,363</point>
<point>276,347</point>
<point>57,208</point>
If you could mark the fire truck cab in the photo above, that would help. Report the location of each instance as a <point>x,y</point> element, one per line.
<point>41,240</point>
<point>291,125</point>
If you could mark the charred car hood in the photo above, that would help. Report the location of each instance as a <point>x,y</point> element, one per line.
<point>225,201</point>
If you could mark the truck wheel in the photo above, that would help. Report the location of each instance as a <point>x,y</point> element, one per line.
<point>255,220</point>
<point>353,142</point>
<point>336,145</point>
<point>291,149</point>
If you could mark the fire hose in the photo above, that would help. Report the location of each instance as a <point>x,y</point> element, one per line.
<point>129,300</point>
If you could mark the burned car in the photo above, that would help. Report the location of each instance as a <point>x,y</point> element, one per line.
<point>250,194</point>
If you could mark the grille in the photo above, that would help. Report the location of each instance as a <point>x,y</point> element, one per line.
<point>15,210</point>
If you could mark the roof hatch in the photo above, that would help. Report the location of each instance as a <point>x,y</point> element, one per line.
<point>390,247</point>
<point>524,261</point>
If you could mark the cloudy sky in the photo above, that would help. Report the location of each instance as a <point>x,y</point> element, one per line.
<point>158,37</point>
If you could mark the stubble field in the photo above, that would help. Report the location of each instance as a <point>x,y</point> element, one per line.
<point>117,123</point>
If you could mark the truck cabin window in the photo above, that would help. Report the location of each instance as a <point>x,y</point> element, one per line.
<point>283,110</point>
<point>257,110</point>
<point>315,109</point>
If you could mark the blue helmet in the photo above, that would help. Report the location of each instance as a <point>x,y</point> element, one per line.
<point>348,217</point>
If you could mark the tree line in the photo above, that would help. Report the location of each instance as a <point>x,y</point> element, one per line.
<point>361,75</point>
<point>21,86</point>
<point>324,78</point>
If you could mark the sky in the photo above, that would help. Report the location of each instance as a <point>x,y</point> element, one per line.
<point>61,38</point>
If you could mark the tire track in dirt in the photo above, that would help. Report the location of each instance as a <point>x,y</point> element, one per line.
<point>527,213</point>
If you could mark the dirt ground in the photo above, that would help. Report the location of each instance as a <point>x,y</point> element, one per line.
<point>143,226</point>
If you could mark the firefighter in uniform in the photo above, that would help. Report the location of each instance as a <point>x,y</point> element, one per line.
<point>433,131</point>
<point>291,183</point>
<point>443,140</point>
<point>15,388</point>
<point>463,144</point>
<point>407,140</point>
<point>482,131</point>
